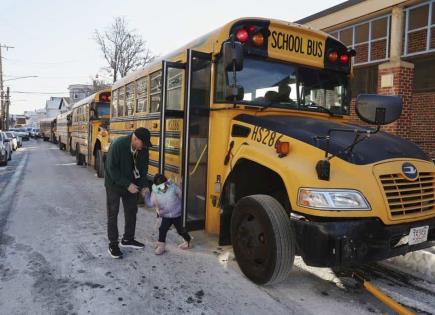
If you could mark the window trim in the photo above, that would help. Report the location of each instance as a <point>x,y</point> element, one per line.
<point>386,38</point>
<point>429,26</point>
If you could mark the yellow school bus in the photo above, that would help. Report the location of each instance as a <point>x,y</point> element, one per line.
<point>63,131</point>
<point>252,120</point>
<point>47,127</point>
<point>90,118</point>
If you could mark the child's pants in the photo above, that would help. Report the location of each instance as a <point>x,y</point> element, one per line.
<point>166,224</point>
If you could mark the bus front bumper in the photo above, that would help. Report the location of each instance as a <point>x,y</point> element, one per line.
<point>341,243</point>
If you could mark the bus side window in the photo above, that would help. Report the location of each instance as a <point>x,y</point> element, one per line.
<point>121,101</point>
<point>156,86</point>
<point>141,94</point>
<point>129,99</point>
<point>114,105</point>
<point>174,93</point>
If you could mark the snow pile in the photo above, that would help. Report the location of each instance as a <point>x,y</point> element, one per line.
<point>421,262</point>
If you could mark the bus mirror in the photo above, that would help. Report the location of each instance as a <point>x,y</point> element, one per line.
<point>232,54</point>
<point>234,93</point>
<point>378,109</point>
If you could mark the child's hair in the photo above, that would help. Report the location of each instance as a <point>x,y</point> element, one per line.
<point>159,179</point>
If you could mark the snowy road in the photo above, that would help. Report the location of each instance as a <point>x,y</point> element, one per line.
<point>53,260</point>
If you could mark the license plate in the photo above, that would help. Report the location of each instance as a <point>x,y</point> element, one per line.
<point>418,235</point>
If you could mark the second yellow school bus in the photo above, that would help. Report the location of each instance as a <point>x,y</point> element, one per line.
<point>90,117</point>
<point>63,131</point>
<point>252,120</point>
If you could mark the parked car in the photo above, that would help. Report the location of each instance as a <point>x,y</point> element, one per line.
<point>5,149</point>
<point>13,138</point>
<point>31,132</point>
<point>19,140</point>
<point>36,131</point>
<point>23,133</point>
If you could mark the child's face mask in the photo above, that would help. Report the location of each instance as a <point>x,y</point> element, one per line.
<point>162,187</point>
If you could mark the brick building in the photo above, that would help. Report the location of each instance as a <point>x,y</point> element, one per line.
<point>395,45</point>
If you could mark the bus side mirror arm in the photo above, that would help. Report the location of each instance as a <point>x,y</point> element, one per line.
<point>323,167</point>
<point>232,55</point>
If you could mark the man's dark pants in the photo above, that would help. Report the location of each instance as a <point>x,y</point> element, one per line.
<point>129,201</point>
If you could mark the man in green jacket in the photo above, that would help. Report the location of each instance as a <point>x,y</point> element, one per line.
<point>126,175</point>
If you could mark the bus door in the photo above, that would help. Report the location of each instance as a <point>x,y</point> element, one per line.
<point>89,121</point>
<point>193,127</point>
<point>171,119</point>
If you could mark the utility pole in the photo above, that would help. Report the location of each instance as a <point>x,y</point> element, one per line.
<point>2,113</point>
<point>8,102</point>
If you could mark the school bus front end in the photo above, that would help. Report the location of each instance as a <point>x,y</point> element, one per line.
<point>295,177</point>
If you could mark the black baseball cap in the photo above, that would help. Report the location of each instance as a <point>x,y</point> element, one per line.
<point>144,135</point>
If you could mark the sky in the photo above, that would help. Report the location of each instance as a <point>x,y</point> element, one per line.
<point>54,40</point>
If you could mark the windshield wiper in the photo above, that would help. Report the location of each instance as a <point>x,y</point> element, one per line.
<point>316,106</point>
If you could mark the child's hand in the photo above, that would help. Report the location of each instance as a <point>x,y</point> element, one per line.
<point>158,213</point>
<point>145,191</point>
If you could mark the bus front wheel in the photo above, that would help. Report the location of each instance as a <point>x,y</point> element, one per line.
<point>263,239</point>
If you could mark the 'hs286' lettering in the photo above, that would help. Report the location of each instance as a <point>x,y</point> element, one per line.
<point>265,136</point>
<point>296,44</point>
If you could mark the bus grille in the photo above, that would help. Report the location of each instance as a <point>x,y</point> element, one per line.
<point>409,198</point>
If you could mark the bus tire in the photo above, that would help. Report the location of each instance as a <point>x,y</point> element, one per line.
<point>100,164</point>
<point>71,151</point>
<point>263,239</point>
<point>79,160</point>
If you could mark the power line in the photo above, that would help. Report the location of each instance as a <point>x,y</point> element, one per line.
<point>34,92</point>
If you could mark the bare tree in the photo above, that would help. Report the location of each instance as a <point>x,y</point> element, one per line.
<point>99,84</point>
<point>123,49</point>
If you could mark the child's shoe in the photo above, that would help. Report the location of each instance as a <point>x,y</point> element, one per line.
<point>160,248</point>
<point>185,245</point>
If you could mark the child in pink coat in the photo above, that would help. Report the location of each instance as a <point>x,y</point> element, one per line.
<point>166,199</point>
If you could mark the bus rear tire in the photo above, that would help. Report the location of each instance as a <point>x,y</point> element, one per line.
<point>263,239</point>
<point>79,160</point>
<point>71,150</point>
<point>100,164</point>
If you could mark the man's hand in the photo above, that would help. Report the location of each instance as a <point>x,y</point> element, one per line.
<point>133,189</point>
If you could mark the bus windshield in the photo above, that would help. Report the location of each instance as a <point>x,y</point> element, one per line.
<point>274,84</point>
<point>103,109</point>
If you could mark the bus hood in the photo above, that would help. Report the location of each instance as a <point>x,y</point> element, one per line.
<point>380,146</point>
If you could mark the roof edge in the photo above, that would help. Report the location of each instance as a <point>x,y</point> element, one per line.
<point>328,11</point>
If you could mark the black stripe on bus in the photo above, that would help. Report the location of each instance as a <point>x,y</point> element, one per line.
<point>169,134</point>
<point>168,167</point>
<point>151,116</point>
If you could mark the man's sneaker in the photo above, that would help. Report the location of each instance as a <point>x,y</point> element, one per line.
<point>131,243</point>
<point>114,251</point>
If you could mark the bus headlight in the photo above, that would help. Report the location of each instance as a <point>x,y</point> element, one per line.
<point>332,199</point>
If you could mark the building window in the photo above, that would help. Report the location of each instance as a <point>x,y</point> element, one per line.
<point>369,39</point>
<point>365,80</point>
<point>424,74</point>
<point>419,29</point>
